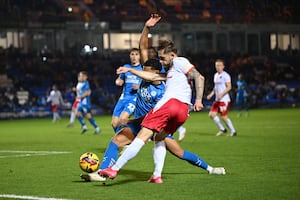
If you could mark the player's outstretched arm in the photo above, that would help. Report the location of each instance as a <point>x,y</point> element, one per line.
<point>149,76</point>
<point>143,43</point>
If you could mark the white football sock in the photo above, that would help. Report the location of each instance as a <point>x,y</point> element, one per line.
<point>219,123</point>
<point>180,128</point>
<point>72,117</point>
<point>230,125</point>
<point>209,168</point>
<point>55,116</point>
<point>159,154</point>
<point>130,152</point>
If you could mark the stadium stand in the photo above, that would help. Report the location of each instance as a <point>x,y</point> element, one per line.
<point>273,79</point>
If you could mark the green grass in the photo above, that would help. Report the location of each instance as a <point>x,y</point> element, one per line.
<point>262,162</point>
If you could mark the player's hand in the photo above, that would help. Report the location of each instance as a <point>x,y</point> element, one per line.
<point>122,70</point>
<point>198,105</point>
<point>153,20</point>
<point>219,96</point>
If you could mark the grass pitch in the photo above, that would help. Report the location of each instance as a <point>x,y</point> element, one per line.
<point>39,158</point>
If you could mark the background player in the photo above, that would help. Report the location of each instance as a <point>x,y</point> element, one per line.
<point>130,82</point>
<point>222,86</point>
<point>74,107</point>
<point>56,100</point>
<point>84,108</point>
<point>241,95</point>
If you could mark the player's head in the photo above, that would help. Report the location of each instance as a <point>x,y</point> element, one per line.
<point>153,65</point>
<point>219,65</point>
<point>82,76</point>
<point>152,53</point>
<point>166,52</point>
<point>240,77</point>
<point>134,56</point>
<point>54,87</point>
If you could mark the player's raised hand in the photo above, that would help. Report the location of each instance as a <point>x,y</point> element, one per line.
<point>122,70</point>
<point>153,20</point>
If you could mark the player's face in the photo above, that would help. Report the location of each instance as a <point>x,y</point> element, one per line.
<point>134,57</point>
<point>165,58</point>
<point>82,77</point>
<point>219,66</point>
<point>151,53</point>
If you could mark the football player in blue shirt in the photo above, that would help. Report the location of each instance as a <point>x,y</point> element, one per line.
<point>84,108</point>
<point>130,82</point>
<point>241,95</point>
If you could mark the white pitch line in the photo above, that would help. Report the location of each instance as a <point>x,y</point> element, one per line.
<point>14,196</point>
<point>30,153</point>
<point>18,151</point>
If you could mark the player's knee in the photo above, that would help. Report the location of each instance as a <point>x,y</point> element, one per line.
<point>114,123</point>
<point>224,117</point>
<point>178,152</point>
<point>123,121</point>
<point>78,113</point>
<point>211,115</point>
<point>118,142</point>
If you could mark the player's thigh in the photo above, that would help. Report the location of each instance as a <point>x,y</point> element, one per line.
<point>114,120</point>
<point>214,109</point>
<point>224,108</point>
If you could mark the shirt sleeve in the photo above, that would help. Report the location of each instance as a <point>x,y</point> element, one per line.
<point>183,64</point>
<point>227,78</point>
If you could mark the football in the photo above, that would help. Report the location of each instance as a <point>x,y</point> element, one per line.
<point>89,162</point>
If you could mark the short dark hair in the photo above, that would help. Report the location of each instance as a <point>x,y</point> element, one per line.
<point>154,64</point>
<point>167,45</point>
<point>134,49</point>
<point>220,60</point>
<point>84,73</point>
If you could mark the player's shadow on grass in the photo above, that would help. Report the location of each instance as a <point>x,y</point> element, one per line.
<point>134,176</point>
<point>131,176</point>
